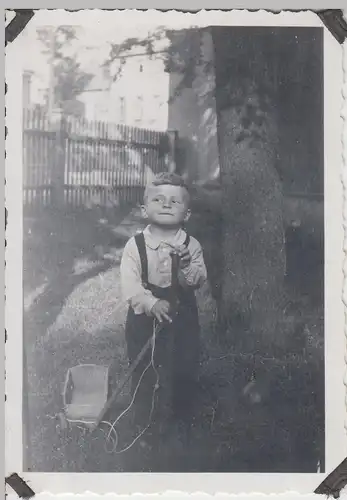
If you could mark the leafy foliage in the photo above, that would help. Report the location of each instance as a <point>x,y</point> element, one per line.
<point>162,44</point>
<point>69,79</point>
<point>148,44</point>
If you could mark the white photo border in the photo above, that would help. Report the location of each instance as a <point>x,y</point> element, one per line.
<point>126,483</point>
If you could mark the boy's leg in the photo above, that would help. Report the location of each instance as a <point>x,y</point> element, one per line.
<point>187,356</point>
<point>137,332</point>
<point>163,361</point>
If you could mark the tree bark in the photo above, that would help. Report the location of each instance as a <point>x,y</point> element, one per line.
<point>253,245</point>
<point>252,241</point>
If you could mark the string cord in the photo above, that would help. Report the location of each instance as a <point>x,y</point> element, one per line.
<point>114,440</point>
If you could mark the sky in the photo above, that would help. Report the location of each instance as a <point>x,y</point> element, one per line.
<point>95,28</point>
<point>95,34</point>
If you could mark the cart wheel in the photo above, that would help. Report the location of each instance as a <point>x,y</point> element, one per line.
<point>62,424</point>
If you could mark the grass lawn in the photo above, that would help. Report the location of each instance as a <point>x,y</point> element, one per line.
<point>74,314</point>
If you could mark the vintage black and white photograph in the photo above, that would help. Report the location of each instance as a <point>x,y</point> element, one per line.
<point>173,231</point>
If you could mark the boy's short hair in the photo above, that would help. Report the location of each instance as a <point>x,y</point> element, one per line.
<point>166,178</point>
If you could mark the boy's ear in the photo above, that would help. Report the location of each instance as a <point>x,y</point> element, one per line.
<point>143,211</point>
<point>188,214</point>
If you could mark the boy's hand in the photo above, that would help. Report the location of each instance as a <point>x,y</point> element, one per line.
<point>161,310</point>
<point>184,255</point>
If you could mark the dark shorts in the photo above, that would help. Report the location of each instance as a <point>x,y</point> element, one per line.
<point>176,359</point>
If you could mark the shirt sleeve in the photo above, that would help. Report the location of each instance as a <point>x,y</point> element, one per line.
<point>140,299</point>
<point>195,274</point>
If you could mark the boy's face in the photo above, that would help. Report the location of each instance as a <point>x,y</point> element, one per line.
<point>166,205</point>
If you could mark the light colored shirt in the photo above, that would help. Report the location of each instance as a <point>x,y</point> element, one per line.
<point>159,268</point>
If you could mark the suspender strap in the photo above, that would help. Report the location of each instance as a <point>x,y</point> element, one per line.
<point>141,246</point>
<point>187,240</point>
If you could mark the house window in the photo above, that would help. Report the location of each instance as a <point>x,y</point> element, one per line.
<point>139,109</point>
<point>122,110</point>
<point>155,108</point>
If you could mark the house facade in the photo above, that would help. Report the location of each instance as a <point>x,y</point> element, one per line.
<point>137,96</point>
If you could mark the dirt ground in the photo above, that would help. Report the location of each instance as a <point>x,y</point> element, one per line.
<point>74,314</point>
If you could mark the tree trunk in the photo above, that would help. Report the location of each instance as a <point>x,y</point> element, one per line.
<point>253,236</point>
<point>253,245</point>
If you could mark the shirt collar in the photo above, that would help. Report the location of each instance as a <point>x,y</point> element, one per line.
<point>154,243</point>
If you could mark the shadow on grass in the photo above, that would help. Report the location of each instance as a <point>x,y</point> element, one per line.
<point>53,243</point>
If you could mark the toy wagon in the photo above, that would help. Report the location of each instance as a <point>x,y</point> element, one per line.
<point>84,395</point>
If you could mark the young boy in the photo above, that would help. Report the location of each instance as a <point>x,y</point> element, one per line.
<point>146,285</point>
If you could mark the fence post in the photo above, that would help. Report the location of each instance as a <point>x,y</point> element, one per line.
<point>58,158</point>
<point>172,156</point>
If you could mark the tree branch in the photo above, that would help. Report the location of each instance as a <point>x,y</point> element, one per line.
<point>139,54</point>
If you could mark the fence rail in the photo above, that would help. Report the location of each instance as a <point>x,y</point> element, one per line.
<point>72,161</point>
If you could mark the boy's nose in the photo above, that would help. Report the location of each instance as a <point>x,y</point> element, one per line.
<point>167,204</point>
